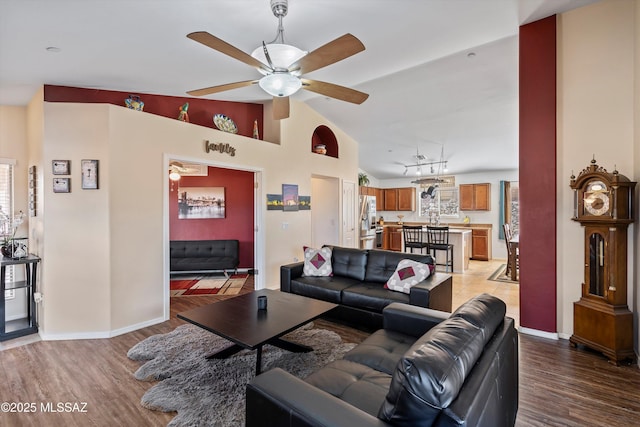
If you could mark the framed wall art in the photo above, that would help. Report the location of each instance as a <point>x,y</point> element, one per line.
<point>62,185</point>
<point>89,174</point>
<point>201,202</point>
<point>61,167</point>
<point>274,202</point>
<point>290,197</point>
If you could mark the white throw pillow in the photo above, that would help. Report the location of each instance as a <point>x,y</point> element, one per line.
<point>408,273</point>
<point>317,262</point>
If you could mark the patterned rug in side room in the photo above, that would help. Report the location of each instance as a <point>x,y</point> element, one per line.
<point>190,285</point>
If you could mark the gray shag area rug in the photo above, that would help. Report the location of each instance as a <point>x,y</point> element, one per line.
<point>212,392</point>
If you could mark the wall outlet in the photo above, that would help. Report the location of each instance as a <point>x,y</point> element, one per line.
<point>285,225</point>
<point>38,297</point>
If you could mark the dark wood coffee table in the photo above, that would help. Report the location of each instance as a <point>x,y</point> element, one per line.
<point>239,320</point>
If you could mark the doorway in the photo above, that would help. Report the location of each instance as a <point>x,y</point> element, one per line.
<point>243,219</point>
<point>325,214</point>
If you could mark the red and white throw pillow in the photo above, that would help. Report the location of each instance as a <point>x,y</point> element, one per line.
<point>317,262</point>
<point>408,273</point>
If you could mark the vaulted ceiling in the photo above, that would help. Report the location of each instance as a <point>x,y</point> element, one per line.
<point>442,74</point>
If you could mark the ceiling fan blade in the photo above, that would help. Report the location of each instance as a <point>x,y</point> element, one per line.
<point>335,91</point>
<point>280,107</point>
<point>222,46</point>
<point>221,88</point>
<point>332,52</point>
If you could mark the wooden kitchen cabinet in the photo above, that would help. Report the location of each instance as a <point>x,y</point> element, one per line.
<point>392,238</point>
<point>380,199</point>
<point>481,244</point>
<point>367,191</point>
<point>390,199</point>
<point>407,199</point>
<point>399,199</point>
<point>475,197</point>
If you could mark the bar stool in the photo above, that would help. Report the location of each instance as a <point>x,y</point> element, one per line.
<point>438,240</point>
<point>414,238</point>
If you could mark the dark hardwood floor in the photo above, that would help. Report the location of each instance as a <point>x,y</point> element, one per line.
<point>559,385</point>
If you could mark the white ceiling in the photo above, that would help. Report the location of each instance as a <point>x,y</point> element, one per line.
<point>426,91</point>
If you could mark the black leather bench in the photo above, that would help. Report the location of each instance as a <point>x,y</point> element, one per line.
<point>204,256</point>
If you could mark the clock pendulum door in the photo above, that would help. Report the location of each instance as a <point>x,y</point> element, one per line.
<point>603,205</point>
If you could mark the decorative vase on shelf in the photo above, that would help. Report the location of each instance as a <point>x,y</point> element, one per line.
<point>7,250</point>
<point>256,134</point>
<point>320,149</point>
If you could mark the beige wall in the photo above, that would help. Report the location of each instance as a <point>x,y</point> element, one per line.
<point>104,252</point>
<point>598,114</point>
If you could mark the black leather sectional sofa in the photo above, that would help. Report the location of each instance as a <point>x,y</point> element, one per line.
<point>198,256</point>
<point>424,368</point>
<point>357,285</point>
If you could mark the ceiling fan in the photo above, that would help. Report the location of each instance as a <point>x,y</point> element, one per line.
<point>283,65</point>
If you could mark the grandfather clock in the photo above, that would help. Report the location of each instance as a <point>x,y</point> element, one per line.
<point>603,204</point>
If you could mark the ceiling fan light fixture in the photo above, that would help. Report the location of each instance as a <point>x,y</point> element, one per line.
<point>174,176</point>
<point>281,55</point>
<point>280,84</point>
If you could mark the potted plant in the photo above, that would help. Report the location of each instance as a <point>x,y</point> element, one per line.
<point>363,179</point>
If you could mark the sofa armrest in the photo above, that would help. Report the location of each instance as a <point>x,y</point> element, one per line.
<point>277,398</point>
<point>434,292</point>
<point>410,319</point>
<point>289,272</point>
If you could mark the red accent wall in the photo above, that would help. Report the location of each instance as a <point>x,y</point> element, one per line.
<point>201,111</point>
<point>239,221</point>
<point>538,298</point>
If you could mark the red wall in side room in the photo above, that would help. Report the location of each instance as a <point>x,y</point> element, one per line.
<point>538,298</point>
<point>201,110</point>
<point>239,221</point>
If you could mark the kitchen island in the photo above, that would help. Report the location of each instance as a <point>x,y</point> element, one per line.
<point>461,236</point>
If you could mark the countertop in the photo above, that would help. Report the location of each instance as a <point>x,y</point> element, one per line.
<point>451,225</point>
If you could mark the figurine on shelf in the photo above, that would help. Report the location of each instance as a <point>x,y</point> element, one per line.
<point>184,116</point>
<point>134,102</point>
<point>256,134</point>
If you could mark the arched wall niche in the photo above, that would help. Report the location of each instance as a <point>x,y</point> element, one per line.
<point>322,135</point>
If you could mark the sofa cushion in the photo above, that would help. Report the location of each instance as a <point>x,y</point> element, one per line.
<point>351,382</point>
<point>371,296</point>
<point>381,350</point>
<point>382,263</point>
<point>349,262</point>
<point>484,311</point>
<point>431,373</point>
<point>317,262</point>
<point>408,274</point>
<point>323,288</point>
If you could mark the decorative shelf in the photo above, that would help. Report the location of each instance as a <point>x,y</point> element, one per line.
<point>322,135</point>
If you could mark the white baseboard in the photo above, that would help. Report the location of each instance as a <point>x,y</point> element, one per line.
<point>98,335</point>
<point>537,333</point>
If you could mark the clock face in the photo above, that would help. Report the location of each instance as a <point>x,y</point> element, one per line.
<point>596,198</point>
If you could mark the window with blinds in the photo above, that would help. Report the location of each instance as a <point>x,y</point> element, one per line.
<point>6,208</point>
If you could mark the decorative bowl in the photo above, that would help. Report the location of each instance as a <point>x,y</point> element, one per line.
<point>224,123</point>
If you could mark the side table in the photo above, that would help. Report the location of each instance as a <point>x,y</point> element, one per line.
<point>23,320</point>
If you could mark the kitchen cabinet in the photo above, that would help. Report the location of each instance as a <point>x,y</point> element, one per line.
<point>392,238</point>
<point>400,199</point>
<point>475,197</point>
<point>367,191</point>
<point>481,244</point>
<point>379,198</point>
<point>390,199</point>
